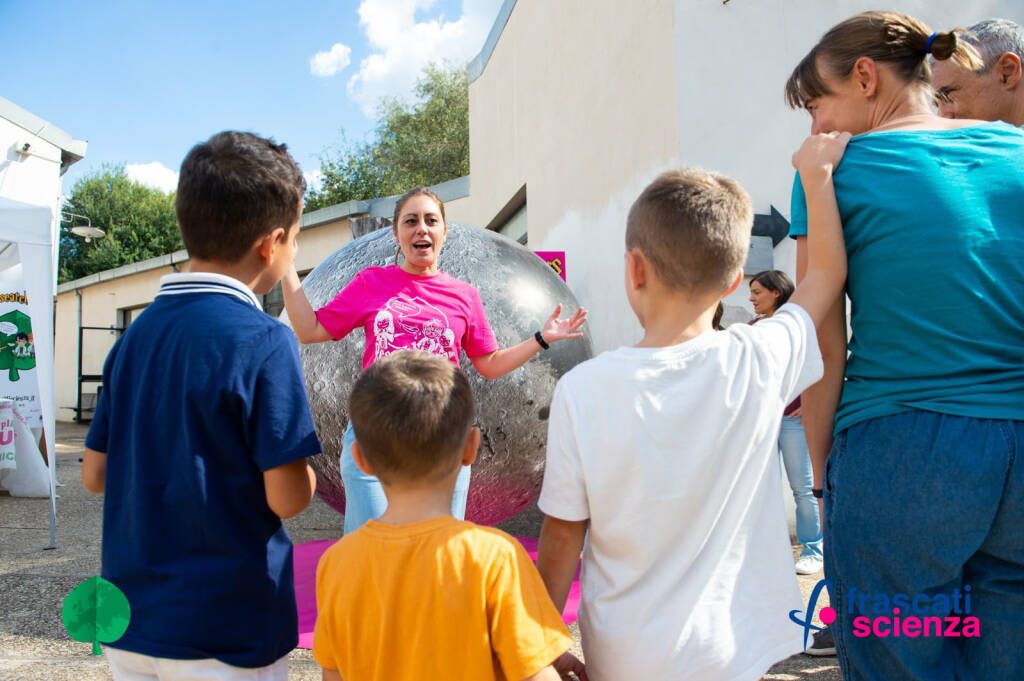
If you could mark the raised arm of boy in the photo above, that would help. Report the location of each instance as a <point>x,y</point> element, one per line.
<point>816,161</point>
<point>821,261</point>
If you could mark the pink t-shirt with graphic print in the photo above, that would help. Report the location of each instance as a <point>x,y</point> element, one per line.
<point>436,313</point>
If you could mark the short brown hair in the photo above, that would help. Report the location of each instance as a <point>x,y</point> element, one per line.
<point>899,40</point>
<point>411,412</point>
<point>233,189</point>
<point>694,228</point>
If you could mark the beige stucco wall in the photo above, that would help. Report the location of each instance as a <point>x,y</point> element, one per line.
<point>460,210</point>
<point>577,102</point>
<point>571,103</point>
<point>316,243</point>
<point>100,307</point>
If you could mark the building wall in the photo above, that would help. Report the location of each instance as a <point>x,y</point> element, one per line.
<point>577,103</point>
<point>316,243</point>
<point>586,102</point>
<point>99,306</point>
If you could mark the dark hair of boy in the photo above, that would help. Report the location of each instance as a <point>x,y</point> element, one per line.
<point>411,412</point>
<point>233,189</point>
<point>693,226</point>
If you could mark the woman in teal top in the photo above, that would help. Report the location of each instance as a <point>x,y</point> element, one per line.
<point>924,483</point>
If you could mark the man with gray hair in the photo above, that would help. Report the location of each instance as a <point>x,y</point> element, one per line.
<point>995,91</point>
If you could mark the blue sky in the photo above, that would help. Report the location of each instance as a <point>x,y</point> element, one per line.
<point>143,81</point>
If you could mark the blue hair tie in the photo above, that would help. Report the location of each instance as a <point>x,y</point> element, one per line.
<point>928,45</point>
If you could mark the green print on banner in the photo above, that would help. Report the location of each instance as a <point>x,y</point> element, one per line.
<point>96,611</point>
<point>16,349</point>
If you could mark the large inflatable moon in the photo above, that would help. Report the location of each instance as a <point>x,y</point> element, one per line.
<point>519,292</point>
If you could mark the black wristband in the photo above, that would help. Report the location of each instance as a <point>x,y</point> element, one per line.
<point>540,340</point>
<point>817,492</point>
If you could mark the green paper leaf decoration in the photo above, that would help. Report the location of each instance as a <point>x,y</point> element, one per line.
<point>95,611</point>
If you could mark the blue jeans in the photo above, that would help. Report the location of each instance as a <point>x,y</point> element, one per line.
<point>927,503</point>
<point>364,497</point>
<point>797,462</point>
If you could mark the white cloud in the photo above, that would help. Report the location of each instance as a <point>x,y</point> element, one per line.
<point>154,175</point>
<point>401,46</point>
<point>313,180</point>
<point>328,63</point>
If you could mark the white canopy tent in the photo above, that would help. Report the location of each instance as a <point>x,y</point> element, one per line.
<point>27,236</point>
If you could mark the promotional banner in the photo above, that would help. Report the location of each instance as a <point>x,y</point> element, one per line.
<point>18,381</point>
<point>8,454</point>
<point>555,260</point>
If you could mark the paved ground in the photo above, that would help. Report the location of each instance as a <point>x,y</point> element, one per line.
<point>33,582</point>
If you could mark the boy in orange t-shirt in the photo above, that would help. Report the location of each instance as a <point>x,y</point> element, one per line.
<point>417,594</point>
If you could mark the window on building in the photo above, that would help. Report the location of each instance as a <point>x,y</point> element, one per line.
<point>511,220</point>
<point>126,315</point>
<point>515,226</point>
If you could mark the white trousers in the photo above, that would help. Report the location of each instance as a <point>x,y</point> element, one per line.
<point>128,666</point>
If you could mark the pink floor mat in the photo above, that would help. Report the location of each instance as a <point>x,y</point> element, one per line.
<point>308,555</point>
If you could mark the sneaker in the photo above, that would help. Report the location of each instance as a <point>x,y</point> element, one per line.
<point>823,646</point>
<point>808,565</point>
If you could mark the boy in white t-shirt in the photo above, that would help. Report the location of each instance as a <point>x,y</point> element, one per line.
<point>663,455</point>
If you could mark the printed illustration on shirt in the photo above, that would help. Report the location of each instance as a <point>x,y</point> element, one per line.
<point>406,323</point>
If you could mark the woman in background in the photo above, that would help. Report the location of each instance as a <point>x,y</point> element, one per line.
<point>770,290</point>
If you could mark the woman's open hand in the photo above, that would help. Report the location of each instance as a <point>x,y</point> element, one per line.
<point>556,329</point>
<point>820,154</point>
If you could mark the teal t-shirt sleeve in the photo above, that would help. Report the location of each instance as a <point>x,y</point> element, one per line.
<point>797,209</point>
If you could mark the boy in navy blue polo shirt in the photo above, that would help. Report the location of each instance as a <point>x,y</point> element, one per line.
<point>202,430</point>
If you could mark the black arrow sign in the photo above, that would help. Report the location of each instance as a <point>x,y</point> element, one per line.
<point>773,225</point>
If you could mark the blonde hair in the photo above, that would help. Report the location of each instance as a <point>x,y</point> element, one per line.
<point>899,40</point>
<point>693,226</point>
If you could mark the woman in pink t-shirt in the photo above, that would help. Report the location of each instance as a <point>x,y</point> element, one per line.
<point>413,306</point>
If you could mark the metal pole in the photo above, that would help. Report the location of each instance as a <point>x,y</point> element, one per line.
<point>81,333</point>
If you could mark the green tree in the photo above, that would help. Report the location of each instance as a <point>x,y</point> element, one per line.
<point>139,221</point>
<point>414,144</point>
